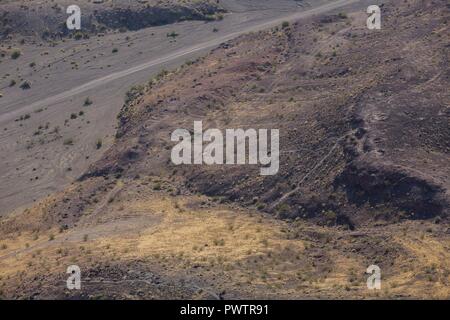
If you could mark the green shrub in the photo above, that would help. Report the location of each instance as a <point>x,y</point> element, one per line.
<point>87,102</point>
<point>68,142</point>
<point>133,93</point>
<point>219,242</point>
<point>25,85</point>
<point>98,144</point>
<point>78,35</point>
<point>157,187</point>
<point>16,54</point>
<point>172,34</point>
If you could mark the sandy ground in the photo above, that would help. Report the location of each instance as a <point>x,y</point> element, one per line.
<point>46,152</point>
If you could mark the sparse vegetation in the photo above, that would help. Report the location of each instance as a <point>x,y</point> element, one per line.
<point>16,54</point>
<point>25,85</point>
<point>24,117</point>
<point>87,102</point>
<point>98,143</point>
<point>172,35</point>
<point>145,214</point>
<point>78,35</point>
<point>68,142</point>
<point>219,242</point>
<point>157,187</point>
<point>133,93</point>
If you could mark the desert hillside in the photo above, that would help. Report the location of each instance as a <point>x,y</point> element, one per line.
<point>46,19</point>
<point>359,146</point>
<point>364,146</point>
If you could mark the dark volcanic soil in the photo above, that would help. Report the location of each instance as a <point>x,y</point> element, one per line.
<point>364,123</point>
<point>47,19</point>
<point>363,117</point>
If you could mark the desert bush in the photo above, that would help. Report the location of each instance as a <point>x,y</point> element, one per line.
<point>172,35</point>
<point>98,144</point>
<point>133,93</point>
<point>157,187</point>
<point>78,35</point>
<point>87,102</point>
<point>16,54</point>
<point>25,85</point>
<point>68,142</point>
<point>219,242</point>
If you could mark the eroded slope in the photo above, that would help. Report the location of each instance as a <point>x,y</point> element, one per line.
<point>47,19</point>
<point>349,104</point>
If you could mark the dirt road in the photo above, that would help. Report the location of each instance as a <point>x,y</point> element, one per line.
<point>57,142</point>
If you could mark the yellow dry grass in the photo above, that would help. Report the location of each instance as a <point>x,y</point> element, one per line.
<point>179,232</point>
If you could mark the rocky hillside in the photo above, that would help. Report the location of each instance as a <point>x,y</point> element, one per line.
<point>48,19</point>
<point>363,116</point>
<point>364,142</point>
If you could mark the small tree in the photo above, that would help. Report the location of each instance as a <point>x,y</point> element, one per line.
<point>98,144</point>
<point>87,102</point>
<point>16,54</point>
<point>25,85</point>
<point>172,34</point>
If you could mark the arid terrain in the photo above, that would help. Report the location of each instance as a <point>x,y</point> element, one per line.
<point>364,120</point>
<point>43,19</point>
<point>51,80</point>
